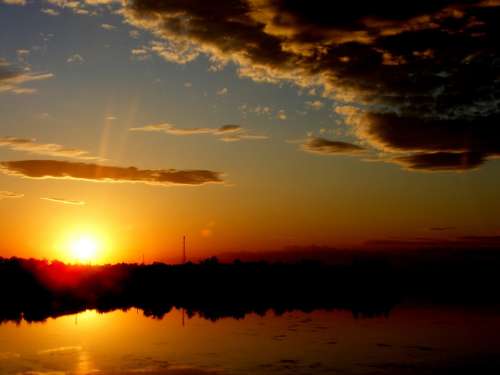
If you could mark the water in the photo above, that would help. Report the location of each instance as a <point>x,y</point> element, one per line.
<point>412,340</point>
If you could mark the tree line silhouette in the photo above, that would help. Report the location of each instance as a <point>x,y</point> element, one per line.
<point>368,285</point>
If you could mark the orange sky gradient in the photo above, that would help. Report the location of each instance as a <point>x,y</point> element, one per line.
<point>257,127</point>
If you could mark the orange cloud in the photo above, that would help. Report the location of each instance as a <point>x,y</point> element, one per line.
<point>100,173</point>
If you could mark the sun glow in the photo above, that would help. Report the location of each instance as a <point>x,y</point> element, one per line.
<point>84,243</point>
<point>84,249</point>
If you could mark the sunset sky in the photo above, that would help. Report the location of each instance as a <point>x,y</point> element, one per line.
<point>245,125</point>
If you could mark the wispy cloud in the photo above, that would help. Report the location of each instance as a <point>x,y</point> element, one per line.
<point>50,12</point>
<point>56,169</point>
<point>227,133</point>
<point>107,26</point>
<point>281,115</point>
<point>223,91</point>
<point>243,136</point>
<point>12,80</point>
<point>14,2</point>
<point>78,6</point>
<point>173,130</point>
<point>10,194</point>
<point>315,104</point>
<point>140,53</point>
<point>258,110</point>
<point>100,2</point>
<point>22,54</point>
<point>9,355</point>
<point>441,229</point>
<point>135,34</point>
<point>76,59</point>
<point>61,349</point>
<point>49,149</point>
<point>64,201</point>
<point>177,51</point>
<point>43,115</point>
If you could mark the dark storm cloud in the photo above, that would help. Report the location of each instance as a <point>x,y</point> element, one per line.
<point>399,133</point>
<point>324,146</point>
<point>436,144</point>
<point>95,172</point>
<point>430,69</point>
<point>441,161</point>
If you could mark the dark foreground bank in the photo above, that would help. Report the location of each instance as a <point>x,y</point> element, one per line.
<point>366,285</point>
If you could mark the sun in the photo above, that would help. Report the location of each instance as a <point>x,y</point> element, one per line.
<point>83,244</point>
<point>84,248</point>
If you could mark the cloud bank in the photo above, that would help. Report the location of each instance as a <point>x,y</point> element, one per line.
<point>57,169</point>
<point>428,69</point>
